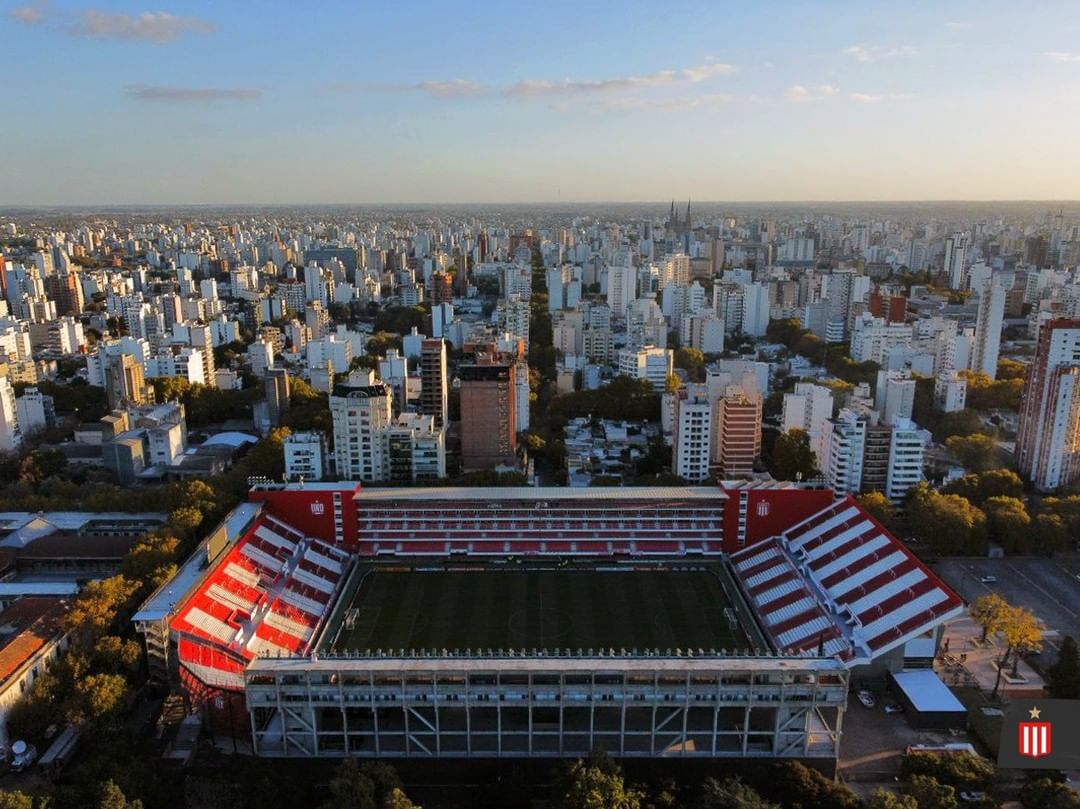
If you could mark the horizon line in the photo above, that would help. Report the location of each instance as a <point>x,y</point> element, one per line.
<point>70,205</point>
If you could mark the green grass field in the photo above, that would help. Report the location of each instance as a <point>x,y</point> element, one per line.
<point>528,609</point>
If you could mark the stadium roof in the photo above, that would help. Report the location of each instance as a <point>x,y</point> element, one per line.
<point>539,493</point>
<point>268,594</point>
<point>165,599</point>
<point>841,582</point>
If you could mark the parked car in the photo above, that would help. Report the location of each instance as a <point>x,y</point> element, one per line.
<point>972,797</point>
<point>892,707</point>
<point>988,579</point>
<point>866,698</point>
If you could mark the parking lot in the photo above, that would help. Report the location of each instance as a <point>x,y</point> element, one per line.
<point>1048,587</point>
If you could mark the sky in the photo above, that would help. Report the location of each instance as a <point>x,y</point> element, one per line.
<point>370,102</point>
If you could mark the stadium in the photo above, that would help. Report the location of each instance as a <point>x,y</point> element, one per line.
<point>331,619</point>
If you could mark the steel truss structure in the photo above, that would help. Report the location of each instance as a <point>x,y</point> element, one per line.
<point>547,706</point>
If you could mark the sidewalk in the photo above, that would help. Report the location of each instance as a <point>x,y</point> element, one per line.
<point>968,661</point>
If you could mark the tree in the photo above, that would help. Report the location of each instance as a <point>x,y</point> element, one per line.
<point>692,361</point>
<point>792,457</point>
<point>1008,523</point>
<point>1063,678</point>
<point>99,696</point>
<point>930,794</point>
<point>878,506</point>
<point>976,452</point>
<point>95,608</point>
<point>370,785</point>
<point>882,799</point>
<point>15,800</point>
<point>980,487</point>
<point>1046,793</point>
<point>989,612</point>
<point>117,654</point>
<point>398,800</point>
<point>1022,635</point>
<point>594,783</point>
<point>1010,369</point>
<point>1049,533</point>
<point>961,770</point>
<point>148,558</point>
<point>795,784</point>
<point>946,523</point>
<point>112,797</point>
<point>731,793</point>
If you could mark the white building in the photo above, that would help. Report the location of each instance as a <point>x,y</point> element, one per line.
<point>705,333</point>
<point>906,446</point>
<point>360,414</point>
<point>873,338</point>
<point>261,356</point>
<point>693,434</point>
<point>621,289</point>
<point>649,363</point>
<point>844,446</point>
<point>988,324</point>
<point>34,411</point>
<point>809,408</point>
<point>955,263</point>
<point>305,456</point>
<point>10,434</point>
<point>950,392</point>
<point>895,395</point>
<point>415,449</point>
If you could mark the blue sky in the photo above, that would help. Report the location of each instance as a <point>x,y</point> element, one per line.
<point>279,102</point>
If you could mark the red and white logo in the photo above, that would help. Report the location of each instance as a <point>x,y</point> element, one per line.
<point>1034,737</point>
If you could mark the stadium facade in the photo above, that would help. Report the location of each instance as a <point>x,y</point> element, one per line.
<point>250,625</point>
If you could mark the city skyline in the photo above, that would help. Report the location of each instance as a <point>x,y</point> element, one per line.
<point>838,102</point>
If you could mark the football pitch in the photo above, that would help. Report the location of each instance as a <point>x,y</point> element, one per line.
<point>541,609</point>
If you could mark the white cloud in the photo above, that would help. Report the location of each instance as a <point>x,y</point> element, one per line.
<point>28,15</point>
<point>150,26</point>
<point>875,53</point>
<point>455,88</point>
<point>145,92</point>
<point>865,98</point>
<point>1062,56</point>
<point>800,94</point>
<point>592,104</point>
<point>690,75</point>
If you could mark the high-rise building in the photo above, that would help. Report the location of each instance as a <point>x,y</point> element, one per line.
<point>415,449</point>
<point>693,434</point>
<point>360,413</point>
<point>1048,440</point>
<point>652,364</point>
<point>808,408</point>
<point>955,263</point>
<point>305,456</point>
<point>737,432</point>
<point>488,412</point>
<point>10,434</point>
<point>988,325</point>
<point>277,394</point>
<point>845,445</point>
<point>906,447</point>
<point>125,381</point>
<point>621,289</point>
<point>433,383</point>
